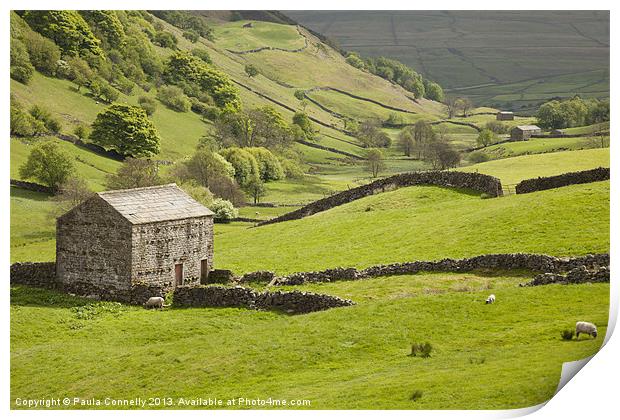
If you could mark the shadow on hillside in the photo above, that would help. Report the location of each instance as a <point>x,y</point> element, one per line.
<point>17,192</point>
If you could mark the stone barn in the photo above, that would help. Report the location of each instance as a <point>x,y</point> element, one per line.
<point>158,236</point>
<point>524,132</point>
<point>505,116</point>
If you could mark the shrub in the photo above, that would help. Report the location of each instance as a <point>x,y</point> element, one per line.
<point>165,39</point>
<point>223,209</point>
<point>291,168</point>
<point>47,164</point>
<point>43,53</point>
<point>134,173</point>
<point>417,394</point>
<point>174,98</point>
<point>269,167</point>
<point>498,127</point>
<point>22,123</point>
<point>478,157</point>
<point>301,120</point>
<point>198,192</point>
<point>51,124</point>
<point>202,54</point>
<point>81,131</point>
<point>21,67</point>
<point>567,334</point>
<point>251,70</point>
<point>421,349</point>
<point>148,104</point>
<point>191,35</point>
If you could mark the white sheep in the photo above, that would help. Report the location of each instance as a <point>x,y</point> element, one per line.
<point>490,299</point>
<point>155,302</point>
<point>586,328</point>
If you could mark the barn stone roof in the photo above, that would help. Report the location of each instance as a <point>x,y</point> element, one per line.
<point>154,204</point>
<point>528,127</point>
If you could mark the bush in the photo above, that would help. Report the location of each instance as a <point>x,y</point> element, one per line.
<point>165,39</point>
<point>202,54</point>
<point>478,157</point>
<point>44,54</point>
<point>148,104</point>
<point>223,209</point>
<point>192,36</point>
<point>21,68</point>
<point>174,98</point>
<point>81,131</point>
<point>268,165</point>
<point>421,349</point>
<point>52,124</point>
<point>23,124</point>
<point>47,164</point>
<point>291,168</point>
<point>251,70</point>
<point>498,127</point>
<point>206,111</point>
<point>567,334</point>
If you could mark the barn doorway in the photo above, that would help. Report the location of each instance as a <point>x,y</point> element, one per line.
<point>178,274</point>
<point>204,270</point>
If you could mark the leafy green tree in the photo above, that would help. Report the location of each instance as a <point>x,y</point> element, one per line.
<point>43,53</point>
<point>47,164</point>
<point>191,35</point>
<point>107,23</point>
<point>300,94</point>
<point>405,142</point>
<point>108,93</point>
<point>223,209</point>
<point>79,72</point>
<point>82,131</point>
<point>423,136</point>
<point>256,189</point>
<point>185,67</point>
<point>434,92</point>
<point>67,29</point>
<point>52,124</point>
<point>204,167</point>
<point>126,129</point>
<point>370,134</point>
<point>165,39</point>
<point>202,54</point>
<point>302,120</point>
<point>486,137</point>
<point>251,70</point>
<point>375,162</point>
<point>21,68</point>
<point>269,166</point>
<point>354,60</point>
<point>256,127</point>
<point>22,123</point>
<point>246,167</point>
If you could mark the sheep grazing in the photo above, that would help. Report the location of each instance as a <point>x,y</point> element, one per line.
<point>154,302</point>
<point>585,328</point>
<point>490,299</point>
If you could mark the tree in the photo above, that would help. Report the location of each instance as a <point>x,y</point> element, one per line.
<point>423,135</point>
<point>302,120</point>
<point>23,124</point>
<point>79,72</point>
<point>434,92</point>
<point>43,53</point>
<point>134,173</point>
<point>269,167</point>
<point>126,129</point>
<point>106,23</point>
<point>452,105</point>
<point>70,193</point>
<point>256,188</point>
<point>251,70</point>
<point>204,166</point>
<point>465,105</point>
<point>300,94</point>
<point>246,167</point>
<point>47,164</point>
<point>52,124</point>
<point>486,137</point>
<point>67,29</point>
<point>370,135</point>
<point>224,209</point>
<point>374,162</point>
<point>21,68</point>
<point>406,142</point>
<point>355,60</point>
<point>174,98</point>
<point>256,127</point>
<point>165,39</point>
<point>191,35</point>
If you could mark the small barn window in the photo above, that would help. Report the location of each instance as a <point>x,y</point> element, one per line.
<point>178,274</point>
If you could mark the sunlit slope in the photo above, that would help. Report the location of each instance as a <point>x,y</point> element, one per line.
<point>425,223</point>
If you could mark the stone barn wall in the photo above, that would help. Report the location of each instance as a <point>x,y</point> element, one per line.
<point>569,178</point>
<point>159,246</point>
<point>471,180</point>
<point>93,245</point>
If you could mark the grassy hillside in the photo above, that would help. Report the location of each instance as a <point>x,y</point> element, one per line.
<point>514,170</point>
<point>537,146</point>
<point>347,358</point>
<point>425,223</point>
<point>499,58</point>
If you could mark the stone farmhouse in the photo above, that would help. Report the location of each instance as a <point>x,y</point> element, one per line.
<point>158,236</point>
<point>505,116</point>
<point>524,132</point>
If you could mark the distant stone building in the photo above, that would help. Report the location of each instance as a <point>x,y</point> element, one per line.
<point>158,236</point>
<point>524,132</point>
<point>505,116</point>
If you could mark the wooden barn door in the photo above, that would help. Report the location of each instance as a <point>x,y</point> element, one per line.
<point>204,270</point>
<point>178,274</point>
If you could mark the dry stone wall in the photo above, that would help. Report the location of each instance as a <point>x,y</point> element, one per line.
<point>570,178</point>
<point>532,262</point>
<point>35,274</point>
<point>296,302</point>
<point>575,276</point>
<point>474,181</point>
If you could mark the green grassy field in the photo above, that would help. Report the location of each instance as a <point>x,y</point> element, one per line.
<point>537,146</point>
<point>514,170</point>
<point>484,356</point>
<point>234,36</point>
<point>425,223</point>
